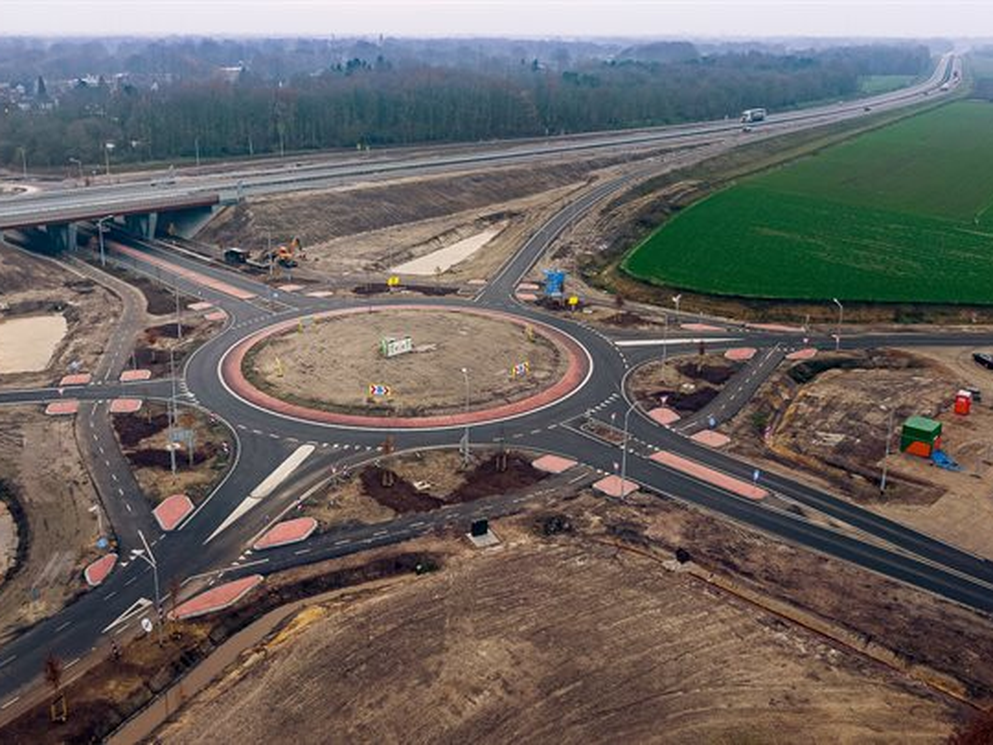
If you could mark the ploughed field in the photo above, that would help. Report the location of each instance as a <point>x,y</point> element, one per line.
<point>899,214</point>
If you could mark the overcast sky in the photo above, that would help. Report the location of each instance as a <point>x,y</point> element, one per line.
<point>568,18</point>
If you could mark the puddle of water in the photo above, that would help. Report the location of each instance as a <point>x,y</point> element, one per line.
<point>27,343</point>
<point>446,257</point>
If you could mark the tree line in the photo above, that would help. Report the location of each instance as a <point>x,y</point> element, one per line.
<point>407,96</point>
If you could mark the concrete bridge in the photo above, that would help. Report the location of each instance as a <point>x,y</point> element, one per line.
<point>141,209</point>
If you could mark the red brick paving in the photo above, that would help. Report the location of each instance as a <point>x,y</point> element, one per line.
<point>704,473</point>
<point>65,407</point>
<point>699,327</point>
<point>664,415</point>
<point>125,405</point>
<point>77,379</point>
<point>710,438</point>
<point>196,277</point>
<point>613,486</point>
<point>740,354</point>
<point>553,464</point>
<point>217,315</point>
<point>286,532</point>
<point>201,305</point>
<point>132,376</point>
<point>98,571</point>
<point>219,598</point>
<point>172,511</point>
<point>574,376</point>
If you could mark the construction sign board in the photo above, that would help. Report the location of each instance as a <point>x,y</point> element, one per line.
<point>390,347</point>
<point>393,281</point>
<point>378,389</point>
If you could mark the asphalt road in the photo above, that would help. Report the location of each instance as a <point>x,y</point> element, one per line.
<point>264,440</point>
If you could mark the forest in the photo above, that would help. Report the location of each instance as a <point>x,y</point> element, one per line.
<point>176,99</point>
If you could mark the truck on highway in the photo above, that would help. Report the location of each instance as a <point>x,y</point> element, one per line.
<point>752,115</point>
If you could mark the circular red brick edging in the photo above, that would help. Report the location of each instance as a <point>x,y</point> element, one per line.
<point>576,375</point>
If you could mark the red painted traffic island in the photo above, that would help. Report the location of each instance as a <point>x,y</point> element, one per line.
<point>712,476</point>
<point>286,532</point>
<point>65,407</point>
<point>98,571</point>
<point>553,464</point>
<point>172,511</point>
<point>133,376</point>
<point>710,438</point>
<point>216,315</point>
<point>77,379</point>
<point>802,354</point>
<point>575,376</point>
<point>664,415</point>
<point>217,599</point>
<point>199,306</point>
<point>740,354</point>
<point>125,405</point>
<point>700,327</point>
<point>614,486</point>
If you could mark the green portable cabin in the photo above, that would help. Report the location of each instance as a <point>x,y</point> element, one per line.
<point>920,436</point>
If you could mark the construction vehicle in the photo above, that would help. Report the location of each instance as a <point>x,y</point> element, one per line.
<point>284,255</point>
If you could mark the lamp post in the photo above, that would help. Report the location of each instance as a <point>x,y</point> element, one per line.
<point>675,301</point>
<point>624,452</point>
<point>841,319</point>
<point>103,253</point>
<point>146,555</point>
<point>665,340</point>
<point>107,147</point>
<point>465,437</point>
<point>889,438</point>
<point>196,145</point>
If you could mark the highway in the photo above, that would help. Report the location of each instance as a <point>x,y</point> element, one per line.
<point>310,173</point>
<point>198,554</point>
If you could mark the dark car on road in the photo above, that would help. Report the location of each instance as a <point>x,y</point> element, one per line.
<point>983,358</point>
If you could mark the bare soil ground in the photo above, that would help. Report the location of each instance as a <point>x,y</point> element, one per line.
<point>331,364</point>
<point>31,284</point>
<point>834,430</point>
<point>144,436</point>
<point>686,383</point>
<point>40,460</point>
<point>387,222</point>
<point>569,638</point>
<point>417,482</point>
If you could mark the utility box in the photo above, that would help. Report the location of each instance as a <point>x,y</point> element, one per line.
<point>479,527</point>
<point>963,402</point>
<point>920,436</point>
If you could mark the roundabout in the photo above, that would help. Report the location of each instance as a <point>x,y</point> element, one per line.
<point>342,368</point>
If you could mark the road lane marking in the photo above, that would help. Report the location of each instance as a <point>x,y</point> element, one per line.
<point>8,660</point>
<point>10,702</point>
<point>71,663</point>
<point>301,552</point>
<point>342,542</point>
<point>63,626</point>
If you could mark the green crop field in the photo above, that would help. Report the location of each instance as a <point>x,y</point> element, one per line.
<point>873,85</point>
<point>899,214</point>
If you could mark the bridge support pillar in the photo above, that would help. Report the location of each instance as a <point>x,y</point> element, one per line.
<point>143,225</point>
<point>61,237</point>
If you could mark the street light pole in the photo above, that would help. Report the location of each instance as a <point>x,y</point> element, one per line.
<point>886,458</point>
<point>465,437</point>
<point>107,147</point>
<point>24,162</point>
<point>665,339</point>
<point>624,453</point>
<point>146,555</point>
<point>103,253</point>
<point>841,320</point>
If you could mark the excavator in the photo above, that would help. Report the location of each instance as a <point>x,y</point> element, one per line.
<point>284,255</point>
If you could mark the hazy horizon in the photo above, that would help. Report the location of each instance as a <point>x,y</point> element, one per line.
<point>629,19</point>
